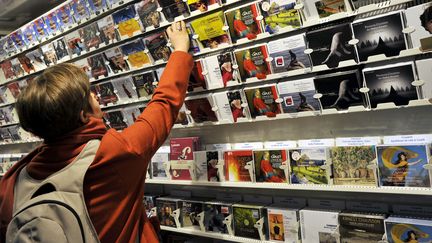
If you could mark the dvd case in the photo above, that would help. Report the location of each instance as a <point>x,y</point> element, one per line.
<point>65,17</point>
<point>98,6</point>
<point>145,84</point>
<point>252,62</point>
<point>127,24</point>
<point>318,9</point>
<point>90,35</point>
<point>17,68</point>
<point>403,229</point>
<point>124,88</point>
<point>165,208</point>
<point>97,66</point>
<point>283,224</point>
<point>10,46</point>
<point>26,64</point>
<point>18,39</point>
<point>61,49</point>
<point>209,30</point>
<point>201,108</point>
<point>287,54</point>
<point>29,34</point>
<point>214,215</point>
<point>74,43</point>
<point>361,227</point>
<point>319,226</point>
<point>147,11</point>
<point>418,17</point>
<point>271,166</point>
<point>105,93</point>
<point>107,29</point>
<point>189,212</point>
<point>245,218</point>
<point>298,96</point>
<point>351,165</point>
<point>157,165</point>
<point>116,61</point>
<point>84,65</point>
<point>8,72</point>
<point>243,22</point>
<point>80,10</point>
<point>379,35</point>
<point>157,46</point>
<point>174,8</point>
<point>115,119</point>
<point>403,165</point>
<point>262,101</point>
<point>239,166</point>
<point>308,166</point>
<point>391,83</point>
<point>41,29</point>
<point>340,90</point>
<point>279,14</point>
<point>136,55</point>
<point>54,25</point>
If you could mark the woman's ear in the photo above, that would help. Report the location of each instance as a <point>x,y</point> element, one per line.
<point>84,117</point>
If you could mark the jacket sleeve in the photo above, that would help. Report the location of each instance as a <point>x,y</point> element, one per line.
<point>153,126</point>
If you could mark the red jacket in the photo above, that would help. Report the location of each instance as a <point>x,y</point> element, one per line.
<point>114,183</point>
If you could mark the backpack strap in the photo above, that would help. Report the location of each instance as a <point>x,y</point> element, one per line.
<point>68,179</point>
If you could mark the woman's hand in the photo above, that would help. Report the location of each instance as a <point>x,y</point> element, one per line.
<point>179,37</point>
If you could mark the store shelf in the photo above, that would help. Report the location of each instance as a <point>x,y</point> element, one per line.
<point>9,124</point>
<point>299,187</point>
<point>22,142</point>
<point>218,236</point>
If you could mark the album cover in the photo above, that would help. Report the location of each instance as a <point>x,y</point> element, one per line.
<point>65,17</point>
<point>213,76</point>
<point>197,80</point>
<point>189,213</point>
<point>8,115</point>
<point>14,133</point>
<point>60,49</point>
<point>201,109</point>
<point>350,165</point>
<point>108,33</point>
<point>105,92</point>
<point>89,34</point>
<point>116,61</point>
<point>262,101</point>
<point>402,166</point>
<point>183,148</point>
<point>135,51</point>
<point>6,66</point>
<point>424,72</point>
<point>223,105</point>
<point>147,11</point>
<point>237,166</point>
<point>144,84</point>
<point>157,46</point>
<point>17,68</point>
<point>288,54</point>
<point>14,89</point>
<point>316,9</point>
<point>330,45</point>
<point>26,64</point>
<point>3,48</point>
<point>245,218</point>
<point>74,43</point>
<point>181,169</point>
<point>115,119</point>
<point>97,66</point>
<point>29,34</point>
<point>165,207</point>
<point>98,6</point>
<point>319,226</point>
<point>125,88</point>
<point>340,90</point>
<point>268,166</point>
<point>149,203</point>
<point>252,63</point>
<point>54,25</point>
<point>36,59</point>
<point>279,14</point>
<point>126,22</point>
<point>10,46</point>
<point>235,101</point>
<point>49,54</point>
<point>81,12</point>
<point>206,165</point>
<point>200,5</point>
<point>391,83</point>
<point>174,8</point>
<point>419,18</point>
<point>18,39</point>
<point>111,3</point>
<point>379,35</point>
<point>214,216</point>
<point>41,29</point>
<point>242,22</point>
<point>227,72</point>
<point>283,224</point>
<point>297,96</point>
<point>84,65</point>
<point>399,229</point>
<point>131,113</point>
<point>210,31</point>
<point>361,227</point>
<point>306,166</point>
<point>157,165</point>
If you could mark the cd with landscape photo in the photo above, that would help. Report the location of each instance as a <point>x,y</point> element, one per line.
<point>305,166</point>
<point>391,84</point>
<point>330,45</point>
<point>340,90</point>
<point>279,14</point>
<point>380,35</point>
<point>288,54</point>
<point>326,8</point>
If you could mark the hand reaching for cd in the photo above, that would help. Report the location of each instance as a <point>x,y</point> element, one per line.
<point>178,36</point>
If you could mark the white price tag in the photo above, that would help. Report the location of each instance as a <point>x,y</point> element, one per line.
<point>218,146</point>
<point>280,144</point>
<point>255,145</point>
<point>358,141</point>
<point>408,139</point>
<point>326,142</point>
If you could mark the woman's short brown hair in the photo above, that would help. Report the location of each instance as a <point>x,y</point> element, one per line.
<point>51,104</point>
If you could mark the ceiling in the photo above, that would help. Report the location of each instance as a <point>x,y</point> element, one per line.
<point>15,13</point>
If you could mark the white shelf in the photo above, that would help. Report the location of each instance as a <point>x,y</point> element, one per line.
<point>286,186</point>
<point>213,235</point>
